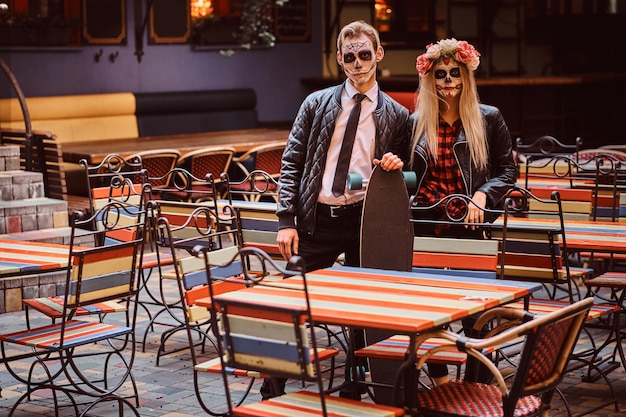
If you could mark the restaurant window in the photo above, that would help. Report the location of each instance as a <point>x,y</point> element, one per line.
<point>220,22</point>
<point>405,24</point>
<point>249,23</point>
<point>40,23</point>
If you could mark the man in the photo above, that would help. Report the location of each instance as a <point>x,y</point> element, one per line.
<point>319,219</point>
<point>314,222</point>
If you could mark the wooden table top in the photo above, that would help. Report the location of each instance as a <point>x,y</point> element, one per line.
<point>581,235</point>
<point>242,140</point>
<point>403,302</point>
<point>20,258</point>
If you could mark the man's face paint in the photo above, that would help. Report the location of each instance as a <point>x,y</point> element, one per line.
<point>358,58</point>
<point>448,78</point>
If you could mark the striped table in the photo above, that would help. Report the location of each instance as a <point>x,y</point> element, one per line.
<point>402,302</point>
<point>21,258</point>
<point>581,235</point>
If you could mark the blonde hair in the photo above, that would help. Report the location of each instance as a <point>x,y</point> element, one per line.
<point>354,29</point>
<point>427,116</point>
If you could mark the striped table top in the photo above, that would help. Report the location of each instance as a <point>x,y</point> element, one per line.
<point>20,258</point>
<point>609,237</point>
<point>403,302</point>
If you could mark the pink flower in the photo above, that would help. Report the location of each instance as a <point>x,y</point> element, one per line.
<point>423,64</point>
<point>468,55</point>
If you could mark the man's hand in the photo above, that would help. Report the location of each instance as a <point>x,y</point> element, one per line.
<point>389,162</point>
<point>287,240</point>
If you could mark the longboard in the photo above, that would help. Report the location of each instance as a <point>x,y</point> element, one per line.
<point>386,230</point>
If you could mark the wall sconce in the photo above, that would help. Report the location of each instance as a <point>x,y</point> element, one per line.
<point>201,9</point>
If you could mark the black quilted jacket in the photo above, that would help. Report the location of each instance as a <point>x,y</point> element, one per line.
<point>304,158</point>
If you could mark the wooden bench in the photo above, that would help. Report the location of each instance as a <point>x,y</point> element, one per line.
<point>119,116</point>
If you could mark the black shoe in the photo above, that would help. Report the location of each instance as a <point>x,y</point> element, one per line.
<point>350,394</point>
<point>272,388</point>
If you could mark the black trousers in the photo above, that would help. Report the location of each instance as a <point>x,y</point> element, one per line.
<point>332,237</point>
<point>337,231</point>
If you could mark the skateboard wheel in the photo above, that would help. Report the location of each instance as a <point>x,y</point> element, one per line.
<point>355,182</point>
<point>410,179</point>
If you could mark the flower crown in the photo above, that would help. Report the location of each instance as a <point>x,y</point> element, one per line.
<point>461,51</point>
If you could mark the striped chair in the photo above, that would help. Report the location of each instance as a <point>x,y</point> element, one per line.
<point>123,191</point>
<point>278,340</point>
<point>539,253</point>
<point>84,356</point>
<point>177,228</point>
<point>190,275</point>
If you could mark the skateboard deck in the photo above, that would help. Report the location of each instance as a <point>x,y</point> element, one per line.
<point>386,229</point>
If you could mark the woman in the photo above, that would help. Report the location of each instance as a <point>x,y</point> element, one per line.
<point>460,146</point>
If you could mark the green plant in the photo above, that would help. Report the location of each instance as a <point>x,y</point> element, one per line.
<point>255,25</point>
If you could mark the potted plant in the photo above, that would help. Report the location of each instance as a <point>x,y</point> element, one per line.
<point>252,25</point>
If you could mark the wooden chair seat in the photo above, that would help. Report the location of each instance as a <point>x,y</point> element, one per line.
<point>53,307</point>
<point>611,279</point>
<point>74,331</point>
<point>395,348</point>
<point>545,306</point>
<point>308,403</point>
<point>475,399</point>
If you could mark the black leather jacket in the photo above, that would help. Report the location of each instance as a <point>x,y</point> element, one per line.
<point>304,158</point>
<point>501,172</point>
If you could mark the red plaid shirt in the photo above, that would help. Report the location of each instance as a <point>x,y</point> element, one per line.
<point>443,177</point>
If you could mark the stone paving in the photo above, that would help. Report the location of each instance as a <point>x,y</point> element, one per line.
<point>167,390</point>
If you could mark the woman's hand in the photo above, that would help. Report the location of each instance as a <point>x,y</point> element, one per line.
<point>476,212</point>
<point>389,162</point>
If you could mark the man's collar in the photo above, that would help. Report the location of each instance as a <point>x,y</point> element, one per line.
<point>372,93</point>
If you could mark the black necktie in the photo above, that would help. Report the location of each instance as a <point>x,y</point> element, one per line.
<point>339,183</point>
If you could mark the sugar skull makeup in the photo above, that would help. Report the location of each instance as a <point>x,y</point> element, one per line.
<point>350,57</point>
<point>358,57</point>
<point>447,78</point>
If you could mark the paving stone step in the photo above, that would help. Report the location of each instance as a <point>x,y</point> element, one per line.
<point>21,185</point>
<point>32,214</point>
<point>9,158</point>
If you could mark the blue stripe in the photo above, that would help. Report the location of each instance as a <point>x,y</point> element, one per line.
<point>259,224</point>
<point>195,278</point>
<point>23,266</point>
<point>453,275</point>
<point>269,348</point>
<point>103,281</point>
<point>95,337</point>
<point>532,247</point>
<point>465,272</point>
